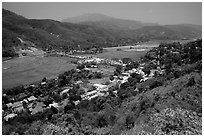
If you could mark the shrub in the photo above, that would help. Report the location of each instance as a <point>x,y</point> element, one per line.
<point>176,122</point>
<point>191,82</point>
<point>156,84</point>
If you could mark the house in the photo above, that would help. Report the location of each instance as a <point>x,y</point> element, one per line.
<point>78,70</point>
<point>17,107</point>
<point>125,78</point>
<point>9,105</point>
<point>31,106</point>
<point>88,69</point>
<point>17,104</point>
<point>126,74</point>
<point>89,93</point>
<point>65,90</point>
<point>9,116</point>
<point>94,96</point>
<point>54,104</point>
<point>31,98</point>
<point>78,82</point>
<point>25,100</point>
<point>76,102</point>
<point>175,53</point>
<point>42,83</point>
<point>99,86</point>
<point>32,85</point>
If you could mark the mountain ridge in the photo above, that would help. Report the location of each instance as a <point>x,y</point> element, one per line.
<point>51,34</point>
<point>96,17</point>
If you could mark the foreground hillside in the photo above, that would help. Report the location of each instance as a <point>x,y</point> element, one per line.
<point>22,33</point>
<point>160,94</point>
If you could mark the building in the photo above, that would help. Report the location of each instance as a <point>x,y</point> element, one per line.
<point>17,107</point>
<point>9,116</point>
<point>9,105</point>
<point>31,98</point>
<point>101,87</point>
<point>65,90</point>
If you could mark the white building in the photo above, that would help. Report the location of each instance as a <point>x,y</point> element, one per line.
<point>10,116</point>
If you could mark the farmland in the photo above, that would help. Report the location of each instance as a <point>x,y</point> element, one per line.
<point>125,52</point>
<point>134,55</point>
<point>26,70</point>
<point>31,69</point>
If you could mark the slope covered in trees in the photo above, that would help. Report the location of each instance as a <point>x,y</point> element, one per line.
<point>50,34</point>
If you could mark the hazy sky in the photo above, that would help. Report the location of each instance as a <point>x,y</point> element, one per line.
<point>162,13</point>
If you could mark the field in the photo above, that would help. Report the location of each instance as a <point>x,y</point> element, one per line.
<point>31,69</point>
<point>125,52</point>
<point>134,55</point>
<point>136,52</point>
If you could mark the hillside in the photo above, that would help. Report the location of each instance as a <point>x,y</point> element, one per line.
<point>161,96</point>
<point>141,30</point>
<point>100,31</point>
<point>49,34</point>
<point>105,21</point>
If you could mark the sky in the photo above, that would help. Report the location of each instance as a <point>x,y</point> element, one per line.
<point>165,13</point>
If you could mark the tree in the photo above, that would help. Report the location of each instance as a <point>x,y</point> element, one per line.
<point>118,70</point>
<point>57,97</point>
<point>126,60</point>
<point>146,70</point>
<point>98,75</point>
<point>136,76</point>
<point>61,80</point>
<point>44,79</point>
<point>111,77</point>
<point>54,110</point>
<point>80,66</point>
<point>17,90</point>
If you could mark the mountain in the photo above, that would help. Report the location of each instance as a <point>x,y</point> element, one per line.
<point>88,31</point>
<point>145,30</point>
<point>87,18</point>
<point>180,31</point>
<point>48,33</point>
<point>105,21</point>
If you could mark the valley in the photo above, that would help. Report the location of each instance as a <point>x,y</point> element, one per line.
<point>95,74</point>
<point>28,69</point>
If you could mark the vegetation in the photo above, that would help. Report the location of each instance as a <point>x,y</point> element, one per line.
<point>168,103</point>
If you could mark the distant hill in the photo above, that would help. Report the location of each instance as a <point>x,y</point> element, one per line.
<point>141,30</point>
<point>170,32</point>
<point>105,21</point>
<point>87,30</point>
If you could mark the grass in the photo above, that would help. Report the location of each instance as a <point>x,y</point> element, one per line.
<point>134,55</point>
<point>27,70</point>
<point>125,52</point>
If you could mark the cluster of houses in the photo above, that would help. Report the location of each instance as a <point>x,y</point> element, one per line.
<point>19,106</point>
<point>97,60</point>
